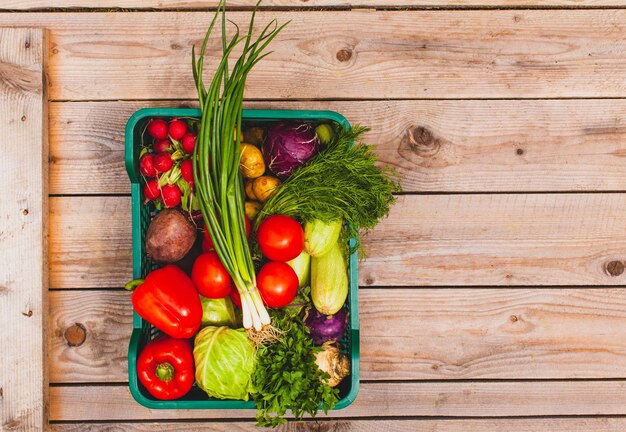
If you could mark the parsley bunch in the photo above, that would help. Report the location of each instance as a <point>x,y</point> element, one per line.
<point>286,376</point>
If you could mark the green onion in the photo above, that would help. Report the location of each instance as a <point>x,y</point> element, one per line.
<point>216,158</point>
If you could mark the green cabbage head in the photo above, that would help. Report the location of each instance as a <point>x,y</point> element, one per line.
<point>225,360</point>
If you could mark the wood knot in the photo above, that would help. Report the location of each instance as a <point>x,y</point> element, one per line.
<point>519,151</point>
<point>75,335</point>
<point>27,45</point>
<point>28,313</point>
<point>513,318</point>
<point>25,212</point>
<point>422,141</point>
<point>344,54</point>
<point>615,268</point>
<point>369,280</point>
<point>175,46</point>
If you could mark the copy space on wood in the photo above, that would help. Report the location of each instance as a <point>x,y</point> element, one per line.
<point>23,231</point>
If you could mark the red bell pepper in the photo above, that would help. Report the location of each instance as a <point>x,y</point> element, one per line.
<point>165,367</point>
<point>168,300</point>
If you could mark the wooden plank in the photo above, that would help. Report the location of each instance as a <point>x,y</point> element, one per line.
<point>488,333</point>
<point>348,55</point>
<point>289,4</point>
<point>428,240</point>
<point>509,145</point>
<point>438,399</point>
<point>578,424</point>
<point>23,210</point>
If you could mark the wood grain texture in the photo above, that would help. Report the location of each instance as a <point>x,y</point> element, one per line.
<point>509,145</point>
<point>405,334</point>
<point>347,55</point>
<point>23,210</point>
<point>439,399</point>
<point>428,240</point>
<point>290,4</point>
<point>579,424</point>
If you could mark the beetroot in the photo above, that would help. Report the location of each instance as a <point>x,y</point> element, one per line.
<point>326,328</point>
<point>162,146</point>
<point>171,195</point>
<point>189,142</point>
<point>157,129</point>
<point>163,162</point>
<point>177,128</point>
<point>151,189</point>
<point>186,170</point>
<point>146,166</point>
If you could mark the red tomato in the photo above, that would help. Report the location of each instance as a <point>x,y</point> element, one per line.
<point>281,238</point>
<point>277,283</point>
<point>235,297</point>
<point>210,277</point>
<point>207,243</point>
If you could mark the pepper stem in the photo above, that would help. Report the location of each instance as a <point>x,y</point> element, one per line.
<point>133,284</point>
<point>165,372</point>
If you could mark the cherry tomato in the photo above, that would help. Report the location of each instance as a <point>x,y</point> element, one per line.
<point>277,283</point>
<point>235,297</point>
<point>207,243</point>
<point>210,277</point>
<point>281,238</point>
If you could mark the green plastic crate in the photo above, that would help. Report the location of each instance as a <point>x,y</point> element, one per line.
<point>143,331</point>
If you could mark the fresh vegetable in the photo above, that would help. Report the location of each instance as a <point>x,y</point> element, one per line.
<point>163,162</point>
<point>210,277</point>
<point>236,298</point>
<point>249,192</point>
<point>286,375</point>
<point>151,189</point>
<point>207,236</point>
<point>177,129</point>
<point>186,170</point>
<point>263,187</point>
<point>288,145</point>
<point>278,284</point>
<point>326,328</point>
<point>168,300</point>
<point>252,208</point>
<point>162,146</point>
<point>251,163</point>
<point>302,266</point>
<point>325,133</point>
<point>169,237</point>
<point>225,360</point>
<point>339,182</point>
<point>146,165</point>
<point>320,236</point>
<point>334,363</point>
<point>281,238</point>
<point>255,135</point>
<point>329,281</point>
<point>165,367</point>
<point>188,142</point>
<point>171,195</point>
<point>216,163</point>
<point>218,312</point>
<point>157,129</point>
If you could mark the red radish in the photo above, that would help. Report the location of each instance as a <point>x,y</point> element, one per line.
<point>186,170</point>
<point>177,129</point>
<point>151,189</point>
<point>157,129</point>
<point>163,162</point>
<point>146,165</point>
<point>162,146</point>
<point>189,142</point>
<point>171,195</point>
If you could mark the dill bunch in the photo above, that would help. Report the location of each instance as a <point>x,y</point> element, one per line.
<point>342,181</point>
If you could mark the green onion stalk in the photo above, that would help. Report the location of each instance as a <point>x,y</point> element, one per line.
<point>216,159</point>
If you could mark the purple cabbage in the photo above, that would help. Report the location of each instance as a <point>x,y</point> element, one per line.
<point>288,145</point>
<point>325,328</point>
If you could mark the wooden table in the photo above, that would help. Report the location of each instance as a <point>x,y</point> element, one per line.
<point>492,297</point>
